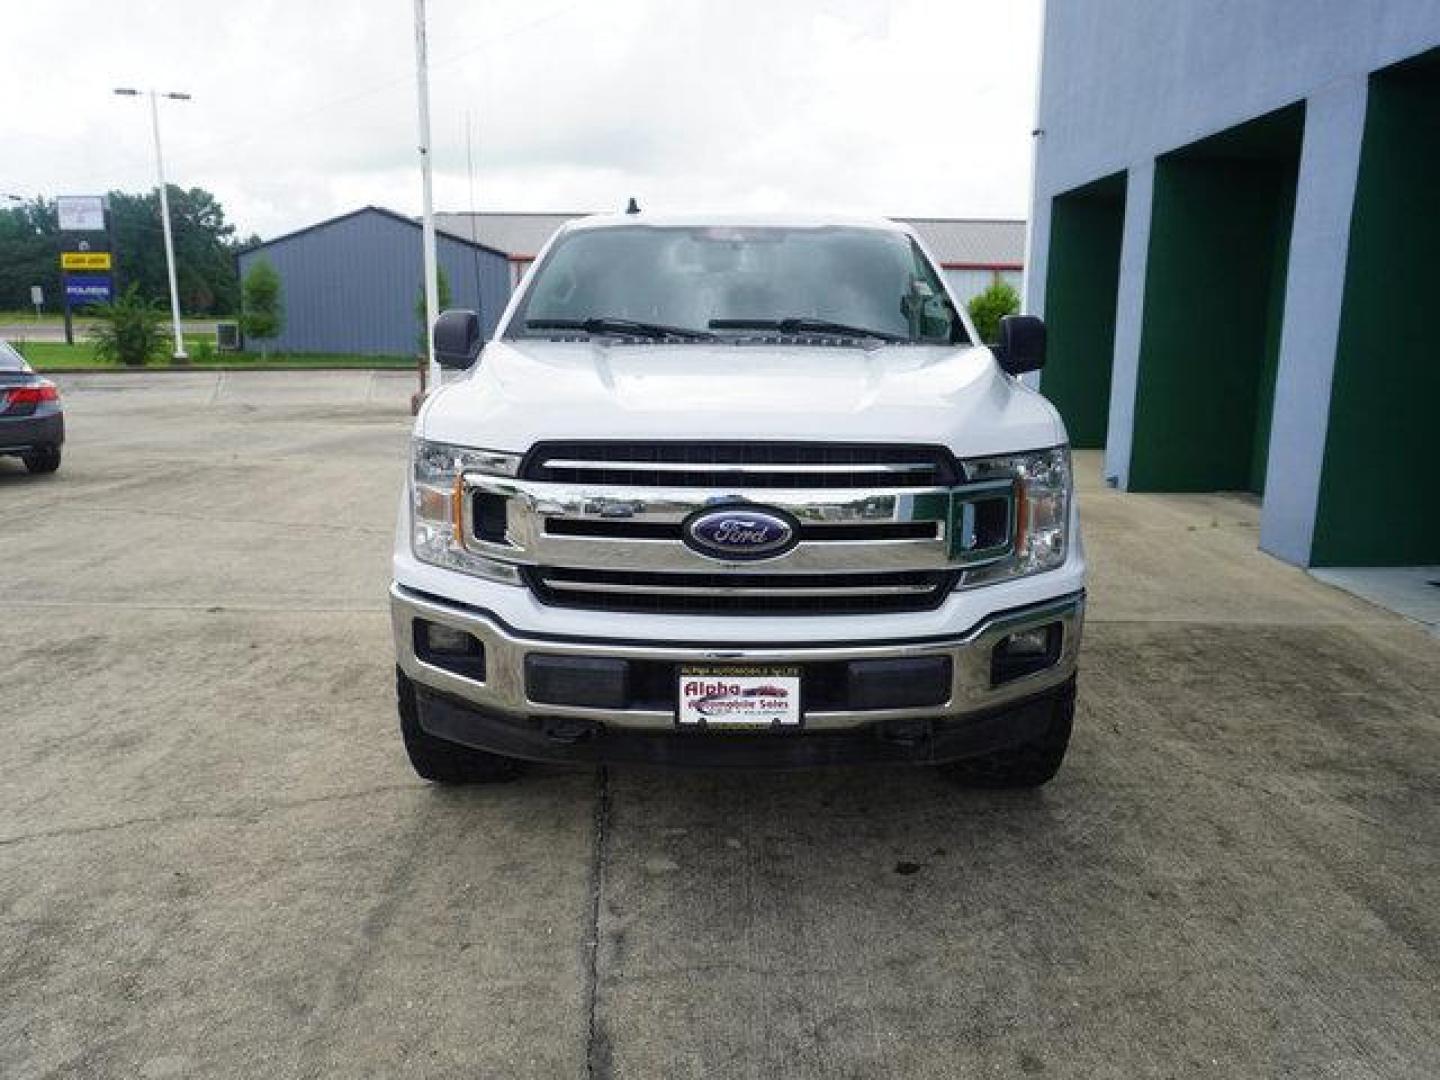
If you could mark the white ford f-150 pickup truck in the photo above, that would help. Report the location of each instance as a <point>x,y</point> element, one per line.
<point>737,491</point>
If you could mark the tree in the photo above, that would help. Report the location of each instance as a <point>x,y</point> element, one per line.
<point>205,248</point>
<point>987,309</point>
<point>127,331</point>
<point>262,314</point>
<point>29,255</point>
<point>442,288</point>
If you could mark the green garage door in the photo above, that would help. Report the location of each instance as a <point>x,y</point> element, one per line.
<point>1086,226</point>
<point>1214,301</point>
<point>1379,493</point>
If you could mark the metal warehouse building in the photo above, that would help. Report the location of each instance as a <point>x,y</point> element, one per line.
<point>1236,247</point>
<point>973,252</point>
<point>351,284</point>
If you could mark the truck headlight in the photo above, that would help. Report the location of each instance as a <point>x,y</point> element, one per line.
<point>436,529</point>
<point>1042,511</point>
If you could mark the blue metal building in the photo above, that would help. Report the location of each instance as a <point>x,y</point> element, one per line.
<point>1233,243</point>
<point>350,284</point>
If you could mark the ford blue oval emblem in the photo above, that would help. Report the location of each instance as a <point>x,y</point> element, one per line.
<point>740,532</point>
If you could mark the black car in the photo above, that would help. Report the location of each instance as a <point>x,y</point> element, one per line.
<point>32,425</point>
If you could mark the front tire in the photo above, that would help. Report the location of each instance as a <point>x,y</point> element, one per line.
<point>1029,764</point>
<point>439,760</point>
<point>44,460</point>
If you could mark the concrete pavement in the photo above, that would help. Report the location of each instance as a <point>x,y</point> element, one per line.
<point>214,860</point>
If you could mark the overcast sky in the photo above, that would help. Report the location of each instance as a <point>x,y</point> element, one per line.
<point>303,109</point>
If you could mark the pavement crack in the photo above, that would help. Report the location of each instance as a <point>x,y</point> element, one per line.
<point>597,1042</point>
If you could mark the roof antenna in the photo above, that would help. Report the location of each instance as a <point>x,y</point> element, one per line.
<point>634,207</point>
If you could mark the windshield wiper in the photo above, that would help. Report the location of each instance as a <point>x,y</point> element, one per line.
<point>802,325</point>
<point>609,324</point>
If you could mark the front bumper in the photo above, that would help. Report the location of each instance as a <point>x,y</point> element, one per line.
<point>22,434</point>
<point>495,713</point>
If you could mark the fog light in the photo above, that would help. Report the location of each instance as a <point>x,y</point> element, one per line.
<point>1034,642</point>
<point>440,638</point>
<point>451,649</point>
<point>1025,652</point>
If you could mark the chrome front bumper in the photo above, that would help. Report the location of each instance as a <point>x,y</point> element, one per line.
<point>502,691</point>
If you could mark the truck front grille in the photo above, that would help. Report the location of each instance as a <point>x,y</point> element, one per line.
<point>600,525</point>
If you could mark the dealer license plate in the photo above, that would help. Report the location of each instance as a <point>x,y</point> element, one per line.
<point>743,696</point>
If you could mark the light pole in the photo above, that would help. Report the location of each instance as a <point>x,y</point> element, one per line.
<point>178,355</point>
<point>427,218</point>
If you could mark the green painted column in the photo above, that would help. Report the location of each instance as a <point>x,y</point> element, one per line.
<point>1379,501</point>
<point>1086,228</point>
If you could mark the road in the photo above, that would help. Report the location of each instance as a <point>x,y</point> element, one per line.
<point>55,331</point>
<point>214,860</point>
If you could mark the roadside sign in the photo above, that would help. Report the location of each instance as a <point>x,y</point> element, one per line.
<point>85,260</point>
<point>37,295</point>
<point>81,213</point>
<point>88,288</point>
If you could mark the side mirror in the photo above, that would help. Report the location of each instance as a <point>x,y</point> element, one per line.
<point>1022,344</point>
<point>457,338</point>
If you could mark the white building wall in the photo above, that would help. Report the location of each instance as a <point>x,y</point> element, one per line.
<point>1124,81</point>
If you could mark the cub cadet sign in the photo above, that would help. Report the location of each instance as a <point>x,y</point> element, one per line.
<point>85,260</point>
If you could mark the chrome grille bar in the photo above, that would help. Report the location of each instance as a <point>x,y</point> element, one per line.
<point>530,506</point>
<point>755,463</point>
<point>742,467</point>
<point>914,589</point>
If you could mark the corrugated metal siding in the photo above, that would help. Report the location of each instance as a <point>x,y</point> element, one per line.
<point>976,242</point>
<point>514,234</point>
<point>350,286</point>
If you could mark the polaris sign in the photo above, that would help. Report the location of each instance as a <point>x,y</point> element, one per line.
<point>88,288</point>
<point>741,532</point>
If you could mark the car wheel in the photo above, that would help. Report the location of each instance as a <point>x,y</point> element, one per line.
<point>1025,765</point>
<point>440,760</point>
<point>44,460</point>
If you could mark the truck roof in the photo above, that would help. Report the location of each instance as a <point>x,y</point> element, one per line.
<point>751,220</point>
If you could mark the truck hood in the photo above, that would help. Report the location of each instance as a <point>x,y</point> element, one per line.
<point>521,393</point>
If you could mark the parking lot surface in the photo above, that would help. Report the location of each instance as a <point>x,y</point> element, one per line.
<point>215,861</point>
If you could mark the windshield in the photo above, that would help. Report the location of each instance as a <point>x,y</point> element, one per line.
<point>702,283</point>
<point>10,360</point>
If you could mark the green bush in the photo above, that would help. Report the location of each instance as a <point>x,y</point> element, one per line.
<point>203,352</point>
<point>442,290</point>
<point>990,306</point>
<point>127,331</point>
<point>262,314</point>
